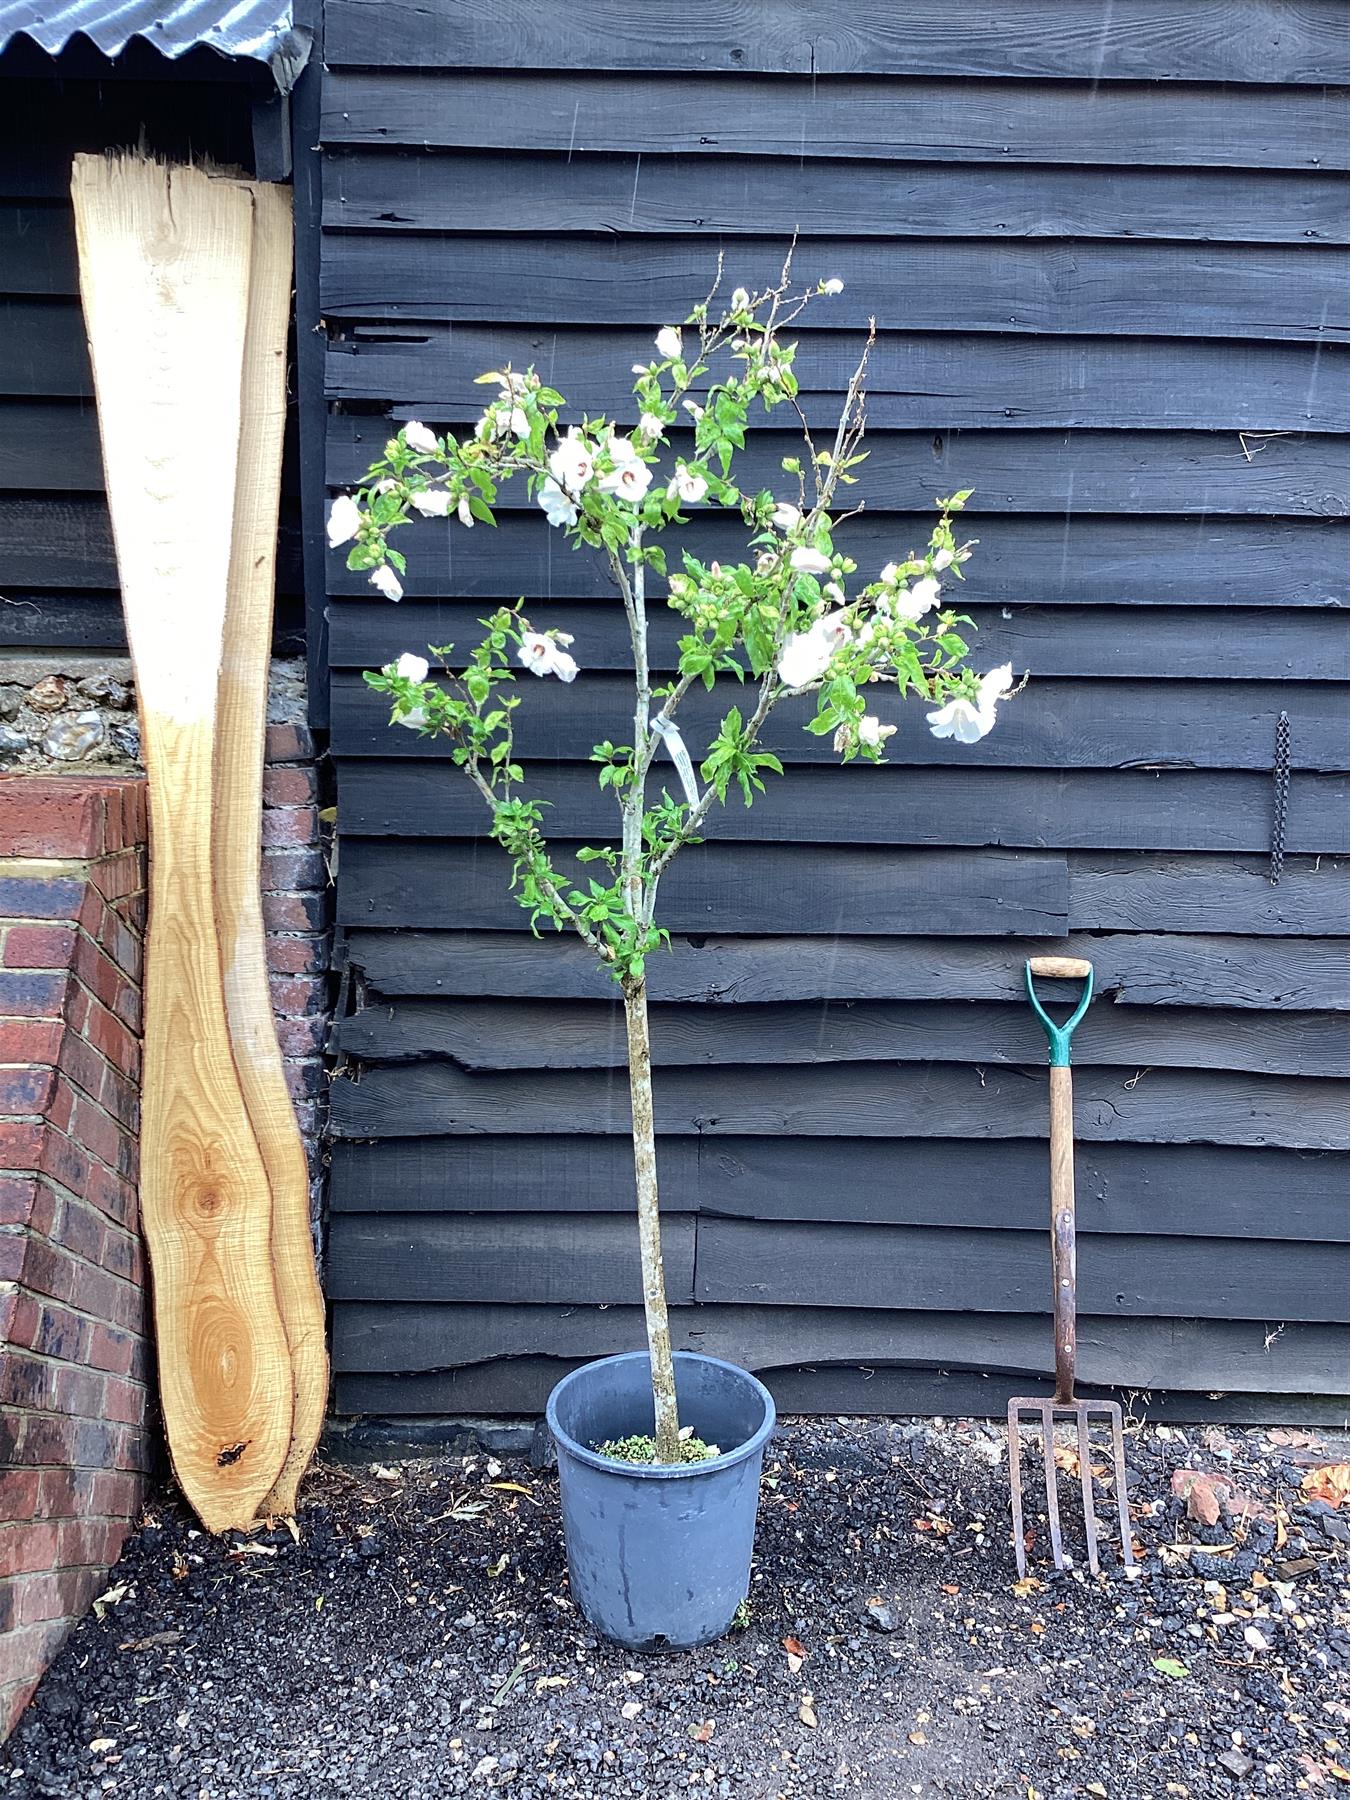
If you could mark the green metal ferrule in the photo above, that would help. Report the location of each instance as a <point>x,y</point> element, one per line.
<point>1059,1035</point>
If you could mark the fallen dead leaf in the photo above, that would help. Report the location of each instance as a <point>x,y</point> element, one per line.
<point>99,1745</point>
<point>1253,1639</point>
<point>382,1473</point>
<point>701,1734</point>
<point>917,1737</point>
<point>1027,1586</point>
<point>111,1596</point>
<point>795,1647</point>
<point>513,1487</point>
<point>1294,1440</point>
<point>155,1638</point>
<point>807,1713</point>
<point>1331,1483</point>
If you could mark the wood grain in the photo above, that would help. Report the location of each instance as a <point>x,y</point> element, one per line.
<point>1118,809</point>
<point>938,1100</point>
<point>476,190</point>
<point>237,818</point>
<point>1115,642</point>
<point>1131,1188</point>
<point>165,258</point>
<point>856,964</point>
<point>1158,472</point>
<point>1103,40</point>
<point>1177,1353</point>
<point>866,116</point>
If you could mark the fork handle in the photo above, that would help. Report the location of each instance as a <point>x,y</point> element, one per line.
<point>1063,1259</point>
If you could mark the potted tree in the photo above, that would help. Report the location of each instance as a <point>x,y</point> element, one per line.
<point>659,1516</point>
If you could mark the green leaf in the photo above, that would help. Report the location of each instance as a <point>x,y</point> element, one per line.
<point>1168,1665</point>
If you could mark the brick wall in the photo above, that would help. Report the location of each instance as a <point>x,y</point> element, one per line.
<point>74,1449</point>
<point>77,1427</point>
<point>295,912</point>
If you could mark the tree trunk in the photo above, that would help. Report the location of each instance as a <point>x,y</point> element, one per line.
<point>649,1223</point>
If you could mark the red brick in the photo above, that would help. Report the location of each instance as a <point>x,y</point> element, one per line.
<point>110,1037</point>
<point>290,785</point>
<point>27,1547</point>
<point>20,1490</point>
<point>289,743</point>
<point>119,878</point>
<point>94,1129</point>
<point>20,1143</point>
<point>123,1401</point>
<point>64,1160</point>
<point>81,1392</point>
<point>64,1493</point>
<point>39,946</point>
<point>78,816</point>
<point>295,912</point>
<point>17,1193</point>
<point>57,1331</point>
<point>29,1382</point>
<point>302,1037</point>
<point>290,827</point>
<point>293,871</point>
<point>294,996</point>
<point>297,955</point>
<point>112,1349</point>
<point>23,1656</point>
<point>31,1040</point>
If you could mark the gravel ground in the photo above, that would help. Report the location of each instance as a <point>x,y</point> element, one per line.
<point>413,1636</point>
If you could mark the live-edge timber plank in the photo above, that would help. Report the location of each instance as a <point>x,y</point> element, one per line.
<point>165,257</point>
<point>237,821</point>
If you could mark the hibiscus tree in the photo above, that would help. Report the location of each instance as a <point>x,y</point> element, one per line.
<point>792,619</point>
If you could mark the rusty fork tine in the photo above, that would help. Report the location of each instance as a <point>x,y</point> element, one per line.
<point>1122,1499</point>
<point>1085,1477</point>
<point>1015,1484</point>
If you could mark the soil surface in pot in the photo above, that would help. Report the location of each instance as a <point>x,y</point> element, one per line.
<point>417,1639</point>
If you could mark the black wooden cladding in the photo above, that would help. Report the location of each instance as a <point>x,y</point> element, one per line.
<point>1104,246</point>
<point>58,574</point>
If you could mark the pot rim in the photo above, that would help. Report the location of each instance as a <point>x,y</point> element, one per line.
<point>663,1471</point>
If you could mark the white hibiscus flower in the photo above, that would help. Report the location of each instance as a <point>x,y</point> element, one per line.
<point>418,438</point>
<point>344,521</point>
<point>387,582</point>
<point>572,463</point>
<point>687,485</point>
<point>559,508</point>
<point>432,503</point>
<point>809,562</point>
<point>670,342</point>
<point>544,655</point>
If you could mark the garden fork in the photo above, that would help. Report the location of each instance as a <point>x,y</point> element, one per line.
<point>1062,1262</point>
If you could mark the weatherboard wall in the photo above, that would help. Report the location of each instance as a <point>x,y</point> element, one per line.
<point>1108,252</point>
<point>58,572</point>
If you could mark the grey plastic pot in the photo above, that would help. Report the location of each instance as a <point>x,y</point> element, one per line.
<point>659,1557</point>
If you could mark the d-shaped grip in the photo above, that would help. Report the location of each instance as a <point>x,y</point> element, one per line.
<point>1073,968</point>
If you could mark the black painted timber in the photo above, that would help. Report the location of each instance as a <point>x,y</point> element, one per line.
<point>1105,247</point>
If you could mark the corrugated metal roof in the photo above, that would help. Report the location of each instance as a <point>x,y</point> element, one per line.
<point>259,30</point>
